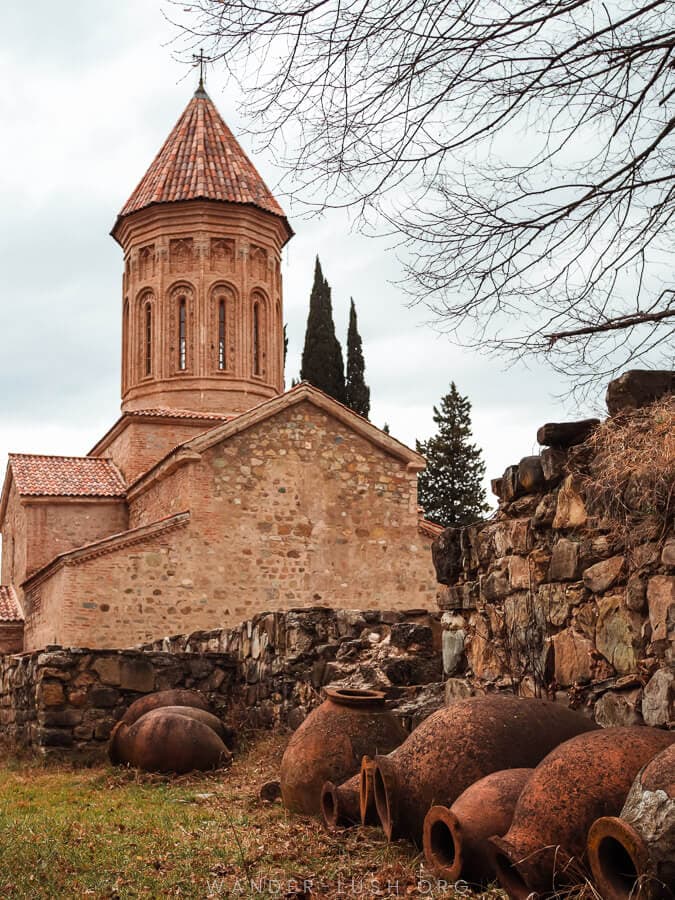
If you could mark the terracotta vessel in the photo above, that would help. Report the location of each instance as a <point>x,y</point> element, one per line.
<point>458,745</point>
<point>177,697</point>
<point>456,839</point>
<point>340,804</point>
<point>589,776</point>
<point>634,856</point>
<point>331,742</point>
<point>171,742</point>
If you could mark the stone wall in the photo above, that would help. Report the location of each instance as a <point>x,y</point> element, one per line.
<point>266,672</point>
<point>65,702</point>
<point>550,598</point>
<point>285,659</point>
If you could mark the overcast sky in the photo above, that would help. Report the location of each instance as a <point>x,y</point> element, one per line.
<point>88,93</point>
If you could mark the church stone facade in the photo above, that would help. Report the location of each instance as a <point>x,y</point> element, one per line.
<point>216,495</point>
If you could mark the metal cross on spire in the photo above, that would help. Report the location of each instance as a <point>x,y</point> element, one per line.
<point>201,61</point>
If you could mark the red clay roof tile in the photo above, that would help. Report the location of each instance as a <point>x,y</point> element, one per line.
<point>10,610</point>
<point>65,476</point>
<point>160,411</point>
<point>201,160</point>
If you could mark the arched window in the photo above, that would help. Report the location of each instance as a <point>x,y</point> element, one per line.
<point>182,334</point>
<point>147,352</point>
<point>125,345</point>
<point>257,349</point>
<point>222,335</point>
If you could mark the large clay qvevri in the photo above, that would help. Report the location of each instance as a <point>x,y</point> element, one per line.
<point>331,742</point>
<point>544,850</point>
<point>633,856</point>
<point>459,744</point>
<point>170,742</point>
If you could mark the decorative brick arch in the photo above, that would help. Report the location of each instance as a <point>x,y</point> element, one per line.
<point>180,324</point>
<point>260,334</point>
<point>144,336</point>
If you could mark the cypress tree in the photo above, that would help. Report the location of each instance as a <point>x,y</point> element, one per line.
<point>322,363</point>
<point>451,487</point>
<point>358,392</point>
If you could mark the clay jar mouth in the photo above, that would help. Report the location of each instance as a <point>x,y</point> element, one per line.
<point>508,873</point>
<point>384,794</point>
<point>354,696</point>
<point>443,842</point>
<point>330,804</point>
<point>618,857</point>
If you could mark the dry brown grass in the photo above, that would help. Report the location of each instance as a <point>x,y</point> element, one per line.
<point>630,478</point>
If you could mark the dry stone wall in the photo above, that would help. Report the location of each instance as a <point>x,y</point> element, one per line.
<point>550,598</point>
<point>64,702</point>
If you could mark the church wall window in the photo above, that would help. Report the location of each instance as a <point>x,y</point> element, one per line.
<point>222,334</point>
<point>147,339</point>
<point>259,336</point>
<point>182,334</point>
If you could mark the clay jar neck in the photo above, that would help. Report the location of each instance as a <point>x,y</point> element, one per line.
<point>356,698</point>
<point>619,857</point>
<point>507,865</point>
<point>385,792</point>
<point>330,804</point>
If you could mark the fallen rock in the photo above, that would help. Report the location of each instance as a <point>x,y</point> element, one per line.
<point>618,708</point>
<point>637,388</point>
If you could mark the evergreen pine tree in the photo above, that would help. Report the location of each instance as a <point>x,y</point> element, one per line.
<point>451,487</point>
<point>358,392</point>
<point>322,363</point>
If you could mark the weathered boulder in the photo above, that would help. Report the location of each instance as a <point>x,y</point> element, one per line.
<point>571,509</point>
<point>618,708</point>
<point>530,475</point>
<point>572,657</point>
<point>562,435</point>
<point>603,575</point>
<point>658,699</point>
<point>618,634</point>
<point>637,388</point>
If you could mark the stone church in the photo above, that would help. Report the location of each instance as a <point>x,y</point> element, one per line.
<point>215,495</point>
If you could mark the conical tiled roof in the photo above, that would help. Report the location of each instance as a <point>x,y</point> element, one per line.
<point>201,160</point>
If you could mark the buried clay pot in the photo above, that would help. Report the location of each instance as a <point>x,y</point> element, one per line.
<point>588,776</point>
<point>634,856</point>
<point>160,699</point>
<point>456,839</point>
<point>162,741</point>
<point>331,742</point>
<point>340,804</point>
<point>459,744</point>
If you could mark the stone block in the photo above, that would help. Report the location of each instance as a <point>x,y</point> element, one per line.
<point>494,586</point>
<point>55,737</point>
<point>496,486</point>
<point>637,388</point>
<point>51,694</point>
<point>137,675</point>
<point>553,465</point>
<point>453,650</point>
<point>618,633</point>
<point>512,536</point>
<point>108,669</point>
<point>519,573</point>
<point>658,699</point>
<point>510,485</point>
<point>554,603</point>
<point>661,602</point>
<point>446,553</point>
<point>562,435</point>
<point>618,708</point>
<point>545,511</point>
<point>572,657</point>
<point>104,697</point>
<point>530,475</point>
<point>668,553</point>
<point>60,718</point>
<point>565,560</point>
<point>636,592</point>
<point>570,509</point>
<point>605,574</point>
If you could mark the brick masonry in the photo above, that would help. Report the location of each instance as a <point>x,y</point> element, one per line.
<point>297,510</point>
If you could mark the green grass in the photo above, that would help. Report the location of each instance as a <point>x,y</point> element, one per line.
<point>107,833</point>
